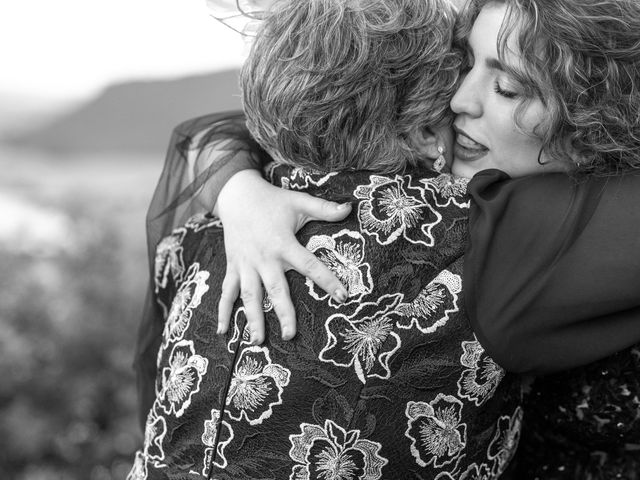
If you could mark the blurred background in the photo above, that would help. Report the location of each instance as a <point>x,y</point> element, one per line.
<point>89,93</point>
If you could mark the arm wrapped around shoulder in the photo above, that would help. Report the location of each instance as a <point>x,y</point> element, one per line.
<point>552,270</point>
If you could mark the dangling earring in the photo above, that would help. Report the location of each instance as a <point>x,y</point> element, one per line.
<point>540,162</point>
<point>440,162</point>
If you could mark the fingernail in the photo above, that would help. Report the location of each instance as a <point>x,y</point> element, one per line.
<point>340,295</point>
<point>343,206</point>
<point>219,329</point>
<point>286,334</point>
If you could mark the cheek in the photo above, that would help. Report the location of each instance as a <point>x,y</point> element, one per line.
<point>520,146</point>
<point>532,119</point>
<point>514,151</point>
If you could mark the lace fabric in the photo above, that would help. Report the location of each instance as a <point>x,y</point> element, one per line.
<point>390,384</point>
<point>217,144</point>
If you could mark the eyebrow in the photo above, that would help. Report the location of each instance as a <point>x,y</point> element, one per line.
<point>495,64</point>
<point>492,63</point>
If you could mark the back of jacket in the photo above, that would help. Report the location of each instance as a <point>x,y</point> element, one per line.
<point>392,384</point>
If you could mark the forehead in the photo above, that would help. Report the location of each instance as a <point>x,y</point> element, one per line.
<point>486,38</point>
<point>486,28</point>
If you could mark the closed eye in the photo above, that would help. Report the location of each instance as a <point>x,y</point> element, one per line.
<point>504,93</point>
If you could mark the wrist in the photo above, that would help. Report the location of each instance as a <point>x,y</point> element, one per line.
<point>232,192</point>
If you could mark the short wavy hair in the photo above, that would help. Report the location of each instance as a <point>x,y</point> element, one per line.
<point>343,84</point>
<point>582,59</point>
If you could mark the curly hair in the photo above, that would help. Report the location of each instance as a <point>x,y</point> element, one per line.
<point>342,84</point>
<point>582,59</point>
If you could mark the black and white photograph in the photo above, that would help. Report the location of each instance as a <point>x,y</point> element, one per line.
<point>320,240</point>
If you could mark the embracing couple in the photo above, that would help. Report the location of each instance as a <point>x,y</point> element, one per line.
<point>471,282</point>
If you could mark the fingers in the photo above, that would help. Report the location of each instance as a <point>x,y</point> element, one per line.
<point>252,297</point>
<point>313,208</point>
<point>252,294</point>
<point>230,291</point>
<point>307,264</point>
<point>277,288</point>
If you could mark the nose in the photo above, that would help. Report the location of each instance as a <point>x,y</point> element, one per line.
<point>467,99</point>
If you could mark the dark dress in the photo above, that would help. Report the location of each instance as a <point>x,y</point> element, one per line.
<point>584,424</point>
<point>390,385</point>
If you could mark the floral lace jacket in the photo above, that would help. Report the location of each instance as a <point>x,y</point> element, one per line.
<point>390,385</point>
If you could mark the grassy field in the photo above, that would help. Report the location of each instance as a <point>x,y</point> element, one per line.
<point>74,270</point>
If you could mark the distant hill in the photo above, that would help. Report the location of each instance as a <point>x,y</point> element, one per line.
<point>137,116</point>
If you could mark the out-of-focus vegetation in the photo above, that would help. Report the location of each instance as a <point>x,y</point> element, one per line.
<point>73,269</point>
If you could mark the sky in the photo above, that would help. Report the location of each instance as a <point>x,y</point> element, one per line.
<point>59,50</point>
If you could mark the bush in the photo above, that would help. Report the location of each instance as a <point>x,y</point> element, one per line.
<point>67,331</point>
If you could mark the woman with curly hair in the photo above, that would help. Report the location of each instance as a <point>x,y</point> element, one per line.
<point>550,270</point>
<point>552,257</point>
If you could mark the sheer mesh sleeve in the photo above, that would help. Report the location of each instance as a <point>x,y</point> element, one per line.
<point>203,154</point>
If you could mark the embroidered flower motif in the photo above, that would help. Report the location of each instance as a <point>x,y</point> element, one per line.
<point>364,340</point>
<point>301,178</point>
<point>154,433</point>
<point>505,441</point>
<point>182,378</point>
<point>473,472</point>
<point>267,304</point>
<point>447,189</point>
<point>437,435</point>
<point>209,440</point>
<point>139,469</point>
<point>240,333</point>
<point>200,221</point>
<point>343,253</point>
<point>477,472</point>
<point>478,382</point>
<point>332,453</point>
<point>444,476</point>
<point>394,208</point>
<point>187,298</point>
<point>256,386</point>
<point>168,260</point>
<point>430,310</point>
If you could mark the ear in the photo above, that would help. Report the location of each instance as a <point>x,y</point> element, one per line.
<point>425,142</point>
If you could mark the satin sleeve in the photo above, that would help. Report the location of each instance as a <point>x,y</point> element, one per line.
<point>552,269</point>
<point>203,154</point>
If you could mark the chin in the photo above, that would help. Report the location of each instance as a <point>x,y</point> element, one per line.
<point>462,169</point>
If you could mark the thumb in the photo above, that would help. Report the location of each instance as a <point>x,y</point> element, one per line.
<point>313,208</point>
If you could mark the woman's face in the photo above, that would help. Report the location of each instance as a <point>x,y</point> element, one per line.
<point>486,133</point>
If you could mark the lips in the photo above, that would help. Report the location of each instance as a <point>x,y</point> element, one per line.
<point>466,148</point>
